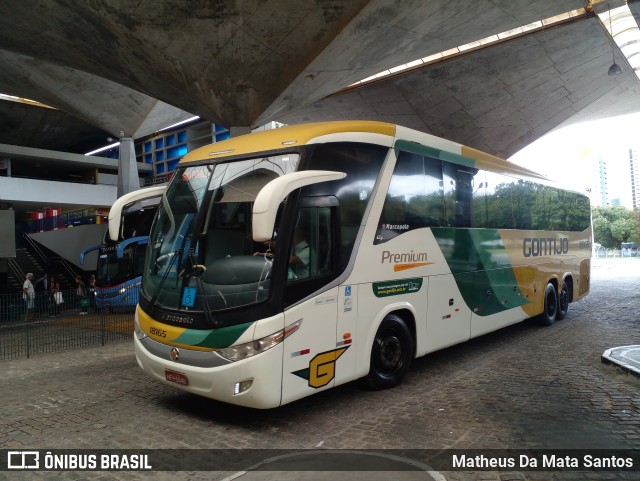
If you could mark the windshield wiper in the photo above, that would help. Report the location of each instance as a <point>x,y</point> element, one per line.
<point>196,270</point>
<point>174,255</point>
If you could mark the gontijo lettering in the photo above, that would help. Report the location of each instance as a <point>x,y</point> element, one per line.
<point>390,257</point>
<point>541,246</point>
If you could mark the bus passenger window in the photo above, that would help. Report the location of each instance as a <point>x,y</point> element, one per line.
<point>312,247</point>
<point>464,197</point>
<point>415,197</point>
<point>299,262</point>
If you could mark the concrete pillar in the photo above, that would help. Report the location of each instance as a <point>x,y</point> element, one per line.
<point>128,179</point>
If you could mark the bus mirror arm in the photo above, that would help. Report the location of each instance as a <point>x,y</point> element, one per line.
<point>127,242</point>
<point>268,199</point>
<point>115,213</point>
<point>86,251</point>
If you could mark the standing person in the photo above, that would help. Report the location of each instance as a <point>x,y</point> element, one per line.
<point>56,294</point>
<point>92,293</point>
<point>82,294</point>
<point>28,294</point>
<point>42,284</point>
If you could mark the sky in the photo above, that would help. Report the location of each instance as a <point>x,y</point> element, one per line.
<point>566,155</point>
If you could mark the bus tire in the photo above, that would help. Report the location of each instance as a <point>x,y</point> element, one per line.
<point>550,311</point>
<point>391,353</point>
<point>563,302</point>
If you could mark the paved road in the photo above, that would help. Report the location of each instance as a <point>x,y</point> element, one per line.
<point>523,387</point>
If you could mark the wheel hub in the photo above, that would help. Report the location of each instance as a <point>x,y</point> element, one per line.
<point>390,352</point>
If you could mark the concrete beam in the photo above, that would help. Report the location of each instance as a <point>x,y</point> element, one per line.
<point>501,98</point>
<point>19,152</point>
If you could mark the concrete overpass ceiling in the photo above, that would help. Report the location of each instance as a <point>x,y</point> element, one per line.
<point>123,65</point>
<point>500,98</point>
<point>240,63</point>
<point>223,60</point>
<point>109,106</point>
<point>43,128</point>
<point>384,35</point>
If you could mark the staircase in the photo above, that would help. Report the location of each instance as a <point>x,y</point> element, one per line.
<point>37,259</point>
<point>18,268</point>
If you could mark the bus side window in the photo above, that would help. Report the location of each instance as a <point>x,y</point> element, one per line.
<point>414,198</point>
<point>138,262</point>
<point>362,164</point>
<point>312,245</point>
<point>464,198</point>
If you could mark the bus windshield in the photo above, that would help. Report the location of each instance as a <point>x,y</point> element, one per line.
<point>111,270</point>
<point>200,253</point>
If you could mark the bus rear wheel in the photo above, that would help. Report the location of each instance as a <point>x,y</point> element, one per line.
<point>550,312</point>
<point>563,302</point>
<point>391,353</point>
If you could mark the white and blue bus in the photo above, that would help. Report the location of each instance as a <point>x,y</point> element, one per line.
<point>285,262</point>
<point>120,263</point>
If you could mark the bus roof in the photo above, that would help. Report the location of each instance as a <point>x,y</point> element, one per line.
<point>284,137</point>
<point>302,134</point>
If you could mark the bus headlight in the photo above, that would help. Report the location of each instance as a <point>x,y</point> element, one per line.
<point>250,349</point>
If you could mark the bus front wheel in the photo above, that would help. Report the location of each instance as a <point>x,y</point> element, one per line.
<point>391,353</point>
<point>550,305</point>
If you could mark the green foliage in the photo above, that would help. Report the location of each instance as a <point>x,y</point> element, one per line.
<point>614,225</point>
<point>526,205</point>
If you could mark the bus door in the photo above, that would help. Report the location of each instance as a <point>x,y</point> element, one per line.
<point>311,355</point>
<point>448,317</point>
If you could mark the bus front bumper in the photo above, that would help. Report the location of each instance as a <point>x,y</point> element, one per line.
<point>262,373</point>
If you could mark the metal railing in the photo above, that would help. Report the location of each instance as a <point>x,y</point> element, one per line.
<point>15,269</point>
<point>49,261</point>
<point>43,324</point>
<point>62,221</point>
<point>604,252</point>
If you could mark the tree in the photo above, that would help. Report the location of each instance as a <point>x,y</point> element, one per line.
<point>602,229</point>
<point>621,230</point>
<point>614,225</point>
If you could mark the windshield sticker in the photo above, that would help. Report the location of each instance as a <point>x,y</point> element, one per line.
<point>396,288</point>
<point>188,296</point>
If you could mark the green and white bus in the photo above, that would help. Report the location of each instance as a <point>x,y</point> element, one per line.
<point>289,261</point>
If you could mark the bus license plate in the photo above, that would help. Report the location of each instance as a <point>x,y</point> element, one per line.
<point>177,377</point>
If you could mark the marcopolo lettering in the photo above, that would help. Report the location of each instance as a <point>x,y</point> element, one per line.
<point>544,246</point>
<point>390,257</point>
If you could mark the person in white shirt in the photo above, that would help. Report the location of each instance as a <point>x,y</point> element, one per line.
<point>28,294</point>
<point>299,260</point>
<point>300,255</point>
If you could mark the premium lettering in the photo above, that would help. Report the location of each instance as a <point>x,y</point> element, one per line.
<point>544,246</point>
<point>390,257</point>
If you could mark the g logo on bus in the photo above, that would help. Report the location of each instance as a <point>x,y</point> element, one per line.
<point>322,368</point>
<point>175,354</point>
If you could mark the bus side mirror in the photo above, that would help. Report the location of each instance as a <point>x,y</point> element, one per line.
<point>273,193</point>
<point>115,213</point>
